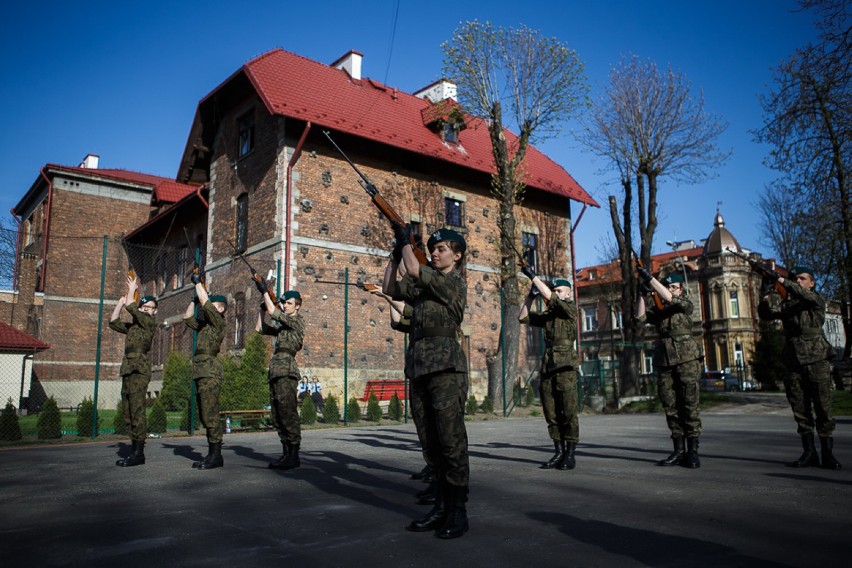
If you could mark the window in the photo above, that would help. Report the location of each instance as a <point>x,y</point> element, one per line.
<point>590,322</point>
<point>201,250</point>
<point>242,223</point>
<point>616,317</point>
<point>182,261</point>
<point>738,355</point>
<point>451,133</point>
<point>453,212</point>
<point>735,304</point>
<point>239,320</point>
<point>245,127</point>
<point>529,246</point>
<point>649,363</point>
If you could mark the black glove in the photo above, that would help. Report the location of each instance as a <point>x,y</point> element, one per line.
<point>261,287</point>
<point>527,270</point>
<point>644,289</point>
<point>646,276</point>
<point>196,277</point>
<point>195,300</point>
<point>766,286</point>
<point>396,253</point>
<point>402,234</point>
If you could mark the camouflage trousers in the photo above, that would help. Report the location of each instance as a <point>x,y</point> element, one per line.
<point>678,389</point>
<point>418,415</point>
<point>559,399</point>
<point>207,397</point>
<point>808,389</point>
<point>444,440</point>
<point>285,409</point>
<point>134,391</point>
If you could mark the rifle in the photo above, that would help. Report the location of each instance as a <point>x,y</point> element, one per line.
<point>359,284</point>
<point>521,257</point>
<point>255,276</point>
<point>657,300</point>
<point>196,269</point>
<point>763,271</point>
<point>379,201</point>
<point>130,272</point>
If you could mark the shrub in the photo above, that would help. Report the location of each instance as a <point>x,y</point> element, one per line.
<point>395,408</point>
<point>177,381</point>
<point>330,411</point>
<point>471,407</point>
<point>10,429</point>
<point>184,419</point>
<point>157,421</point>
<point>353,409</point>
<point>529,396</point>
<point>487,406</point>
<point>49,423</point>
<point>118,422</point>
<point>308,412</point>
<point>85,416</point>
<point>374,411</point>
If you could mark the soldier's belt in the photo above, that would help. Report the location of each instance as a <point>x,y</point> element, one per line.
<point>422,332</point>
<point>135,353</point>
<point>559,343</point>
<point>205,352</point>
<point>286,351</point>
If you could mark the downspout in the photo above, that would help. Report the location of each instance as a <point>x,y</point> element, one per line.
<point>17,249</point>
<point>287,232</point>
<point>46,228</point>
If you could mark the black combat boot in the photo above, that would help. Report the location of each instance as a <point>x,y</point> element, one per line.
<point>123,461</point>
<point>428,496</point>
<point>214,458</point>
<point>809,457</point>
<point>559,446</point>
<point>206,458</point>
<point>292,460</point>
<point>137,457</point>
<point>423,473</point>
<point>435,518</point>
<point>828,461</point>
<point>568,461</point>
<point>456,523</point>
<point>677,455</point>
<point>279,463</point>
<point>690,458</point>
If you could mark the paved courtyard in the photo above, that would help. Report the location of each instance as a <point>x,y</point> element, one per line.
<point>68,505</point>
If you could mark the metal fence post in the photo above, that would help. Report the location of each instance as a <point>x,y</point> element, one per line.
<point>100,336</point>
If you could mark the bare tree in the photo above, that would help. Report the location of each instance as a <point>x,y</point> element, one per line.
<point>512,78</point>
<point>808,124</point>
<point>8,250</point>
<point>647,124</point>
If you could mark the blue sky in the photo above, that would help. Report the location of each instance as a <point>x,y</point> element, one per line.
<point>122,80</point>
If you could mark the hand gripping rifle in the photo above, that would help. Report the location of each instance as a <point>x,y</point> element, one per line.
<point>196,269</point>
<point>130,272</point>
<point>765,272</point>
<point>255,276</point>
<point>358,284</point>
<point>379,201</point>
<point>657,300</point>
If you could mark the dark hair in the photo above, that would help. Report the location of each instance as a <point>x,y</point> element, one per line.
<point>456,246</point>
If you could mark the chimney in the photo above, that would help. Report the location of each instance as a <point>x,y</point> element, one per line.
<point>351,63</point>
<point>90,162</point>
<point>438,91</point>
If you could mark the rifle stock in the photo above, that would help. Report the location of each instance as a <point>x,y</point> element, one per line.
<point>763,271</point>
<point>380,202</point>
<point>657,300</point>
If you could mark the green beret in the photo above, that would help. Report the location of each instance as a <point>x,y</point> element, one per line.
<point>445,235</point>
<point>560,282</point>
<point>145,299</point>
<point>802,270</point>
<point>218,298</point>
<point>291,294</point>
<point>673,278</point>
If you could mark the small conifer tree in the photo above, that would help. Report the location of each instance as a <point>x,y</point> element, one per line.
<point>85,415</point>
<point>395,408</point>
<point>49,423</point>
<point>157,421</point>
<point>118,422</point>
<point>184,419</point>
<point>471,407</point>
<point>354,410</point>
<point>330,411</point>
<point>308,412</point>
<point>10,429</point>
<point>529,396</point>
<point>487,406</point>
<point>374,411</point>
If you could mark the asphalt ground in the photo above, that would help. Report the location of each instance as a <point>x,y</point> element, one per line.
<point>68,505</point>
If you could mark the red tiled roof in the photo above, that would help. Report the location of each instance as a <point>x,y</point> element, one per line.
<point>297,87</point>
<point>611,272</point>
<point>163,189</point>
<point>14,341</point>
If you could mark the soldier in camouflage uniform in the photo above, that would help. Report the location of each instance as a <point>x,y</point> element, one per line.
<point>677,362</point>
<point>135,366</point>
<point>438,368</point>
<point>558,373</point>
<point>288,328</point>
<point>401,313</point>
<point>206,366</point>
<point>806,354</point>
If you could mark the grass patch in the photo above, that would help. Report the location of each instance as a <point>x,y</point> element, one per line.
<point>841,404</point>
<point>69,422</point>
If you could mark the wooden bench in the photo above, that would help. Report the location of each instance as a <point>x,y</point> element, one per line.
<point>384,389</point>
<point>247,419</point>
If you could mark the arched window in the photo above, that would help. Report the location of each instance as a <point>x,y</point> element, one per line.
<point>242,222</point>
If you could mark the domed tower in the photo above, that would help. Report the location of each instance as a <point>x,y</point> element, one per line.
<point>720,238</point>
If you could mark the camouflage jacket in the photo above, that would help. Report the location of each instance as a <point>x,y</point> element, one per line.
<point>210,325</point>
<point>802,315</point>
<point>438,301</point>
<point>559,320</point>
<point>140,333</point>
<point>675,344</point>
<point>289,332</point>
